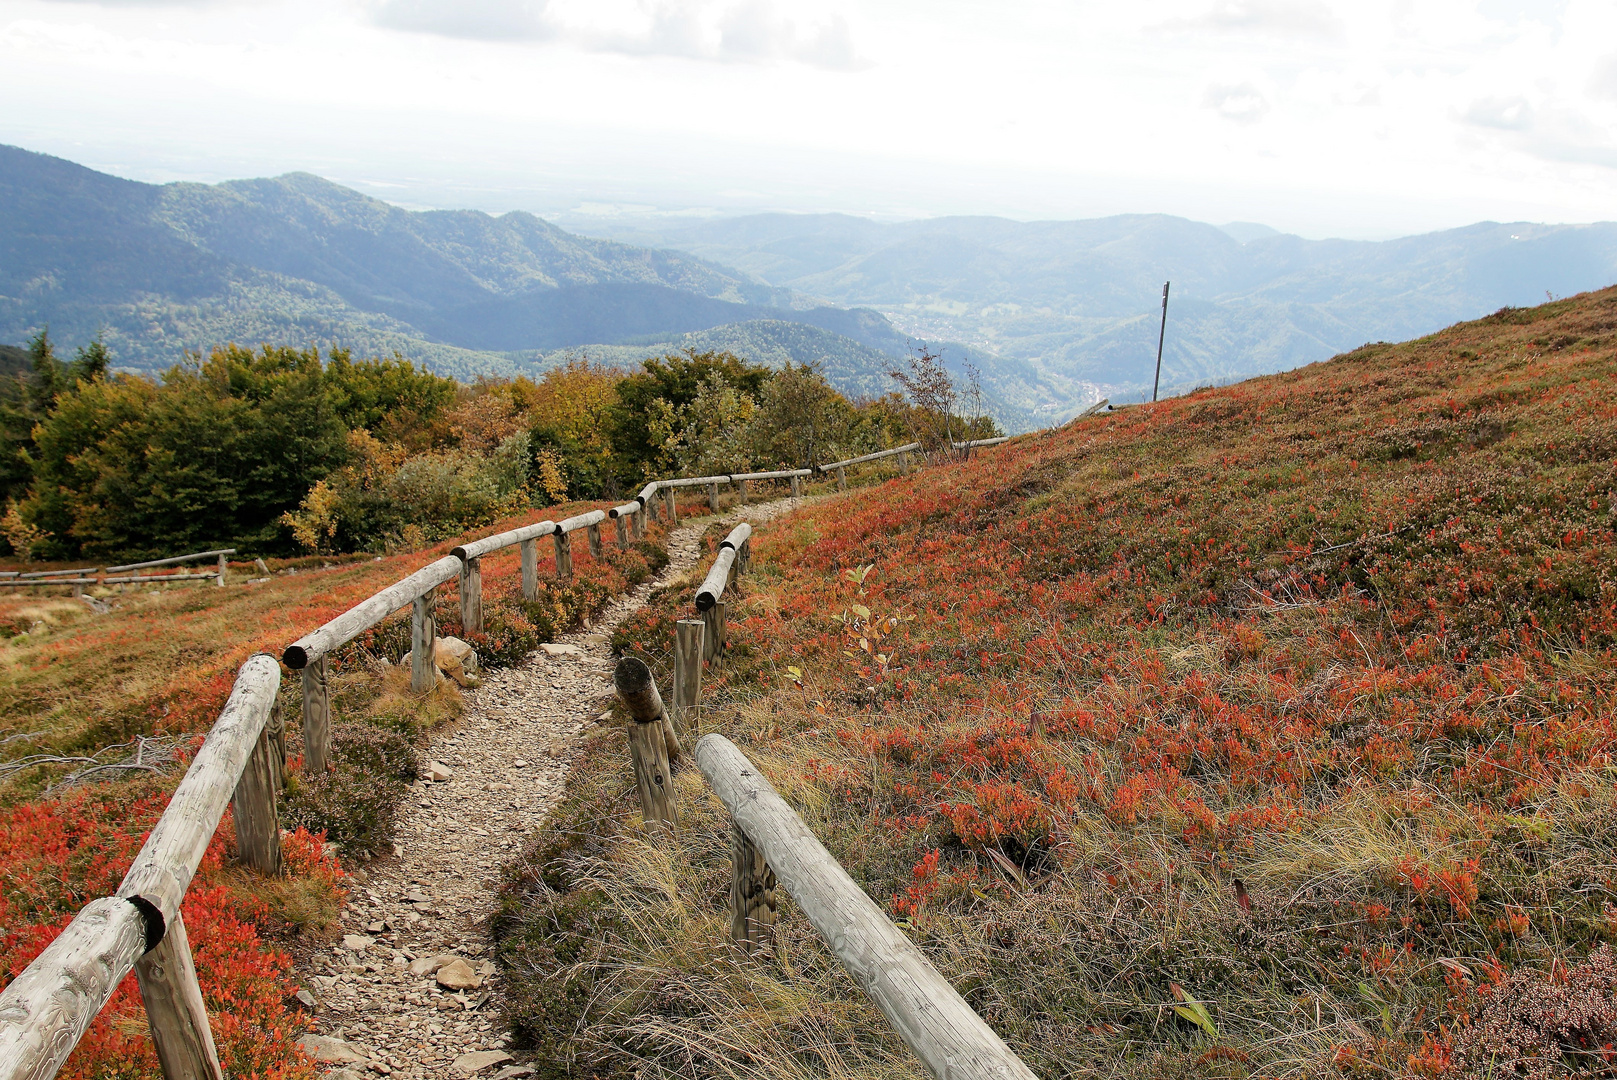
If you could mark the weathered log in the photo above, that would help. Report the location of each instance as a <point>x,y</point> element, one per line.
<point>593,533</point>
<point>904,463</point>
<point>46,1010</point>
<point>744,557</point>
<point>640,520</point>
<point>175,561</point>
<point>753,905</point>
<point>797,487</point>
<point>778,474</point>
<point>951,1040</point>
<point>255,807</point>
<point>490,544</point>
<point>530,570</point>
<point>877,456</point>
<point>737,536</point>
<point>975,443</point>
<point>316,718</point>
<point>718,577</point>
<point>713,498</point>
<point>673,507</point>
<point>175,1012</point>
<point>564,556</point>
<point>367,613</point>
<point>423,643</point>
<point>581,521</point>
<point>688,637</point>
<point>162,871</point>
<point>221,570</point>
<point>648,742</point>
<point>1093,409</point>
<point>842,478</point>
<point>622,525</point>
<point>743,492</point>
<point>471,596</point>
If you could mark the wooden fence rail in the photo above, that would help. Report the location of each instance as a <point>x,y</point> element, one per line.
<point>47,1009</point>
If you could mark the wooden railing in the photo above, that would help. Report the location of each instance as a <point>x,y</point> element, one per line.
<point>97,576</point>
<point>770,847</point>
<point>47,1008</point>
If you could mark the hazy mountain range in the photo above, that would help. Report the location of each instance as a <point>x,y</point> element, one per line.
<point>1078,301</point>
<point>1053,313</point>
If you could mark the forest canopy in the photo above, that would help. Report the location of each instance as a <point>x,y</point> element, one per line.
<point>278,450</point>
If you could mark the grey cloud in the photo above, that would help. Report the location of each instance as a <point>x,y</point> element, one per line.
<point>482,20</point>
<point>1553,134</point>
<point>1284,18</point>
<point>1241,102</point>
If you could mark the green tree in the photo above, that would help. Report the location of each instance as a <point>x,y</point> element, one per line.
<point>392,399</point>
<point>674,381</point>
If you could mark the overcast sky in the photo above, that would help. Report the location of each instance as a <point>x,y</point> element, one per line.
<point>1368,119</point>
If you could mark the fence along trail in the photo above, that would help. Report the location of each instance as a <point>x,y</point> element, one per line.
<point>47,1008</point>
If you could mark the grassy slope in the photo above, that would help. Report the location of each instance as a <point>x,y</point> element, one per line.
<point>1296,694</point>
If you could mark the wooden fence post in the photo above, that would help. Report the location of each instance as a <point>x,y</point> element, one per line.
<point>713,497</point>
<point>673,507</point>
<point>316,718</point>
<point>688,644</point>
<point>593,533</point>
<point>471,596</point>
<point>650,505</point>
<point>622,523</point>
<point>175,1010</point>
<point>743,492</point>
<point>744,557</point>
<point>530,570</point>
<point>423,642</point>
<point>713,637</point>
<point>258,825</point>
<point>564,556</point>
<point>221,570</point>
<point>640,520</point>
<point>648,743</point>
<point>904,463</point>
<point>797,487</point>
<point>842,478</point>
<point>753,906</point>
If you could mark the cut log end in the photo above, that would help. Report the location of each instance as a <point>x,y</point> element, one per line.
<point>637,689</point>
<point>295,657</point>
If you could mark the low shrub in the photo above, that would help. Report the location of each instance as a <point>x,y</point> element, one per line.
<point>355,804</point>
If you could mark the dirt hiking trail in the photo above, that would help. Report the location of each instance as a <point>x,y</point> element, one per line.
<point>409,991</point>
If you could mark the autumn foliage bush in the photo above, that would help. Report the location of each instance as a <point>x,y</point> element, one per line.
<point>1294,697</point>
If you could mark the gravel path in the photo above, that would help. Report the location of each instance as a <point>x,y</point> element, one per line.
<point>408,992</point>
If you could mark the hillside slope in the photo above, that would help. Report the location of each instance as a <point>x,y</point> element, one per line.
<point>1295,699</point>
<point>1078,298</point>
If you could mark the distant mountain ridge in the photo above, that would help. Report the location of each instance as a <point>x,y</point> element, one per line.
<point>300,260</point>
<point>1077,301</point>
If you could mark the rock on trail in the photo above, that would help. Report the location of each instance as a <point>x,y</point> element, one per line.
<point>408,990</point>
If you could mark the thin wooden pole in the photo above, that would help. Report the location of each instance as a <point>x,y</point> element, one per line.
<point>258,826</point>
<point>564,556</point>
<point>713,497</point>
<point>1162,335</point>
<point>753,906</point>
<point>530,570</point>
<point>175,1010</point>
<point>648,745</point>
<point>689,635</point>
<point>593,533</point>
<point>316,718</point>
<point>622,523</point>
<point>423,641</point>
<point>471,596</point>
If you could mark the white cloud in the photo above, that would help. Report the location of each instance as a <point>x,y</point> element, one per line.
<point>1604,82</point>
<point>751,31</point>
<point>1240,102</point>
<point>1282,18</point>
<point>481,20</point>
<point>1506,114</point>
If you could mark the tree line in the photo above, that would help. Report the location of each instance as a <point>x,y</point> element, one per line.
<point>278,450</point>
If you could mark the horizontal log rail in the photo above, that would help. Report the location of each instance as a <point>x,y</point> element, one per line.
<point>478,548</point>
<point>367,613</point>
<point>175,561</point>
<point>779,474</point>
<point>975,443</point>
<point>49,1006</point>
<point>877,456</point>
<point>23,583</point>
